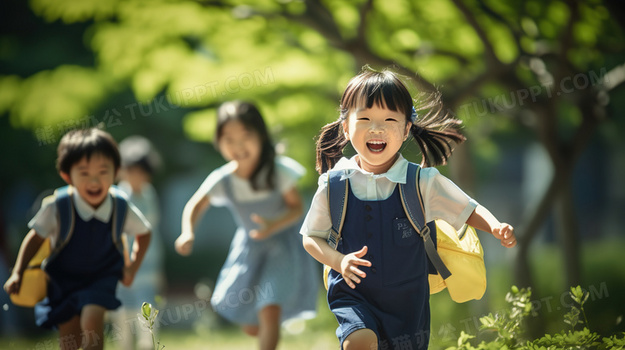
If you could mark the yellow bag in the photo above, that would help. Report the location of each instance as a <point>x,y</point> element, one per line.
<point>34,280</point>
<point>463,255</point>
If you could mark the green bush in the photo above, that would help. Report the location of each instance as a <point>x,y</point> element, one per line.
<point>507,328</point>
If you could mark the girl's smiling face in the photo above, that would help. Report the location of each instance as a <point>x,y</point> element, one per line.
<point>377,134</point>
<point>92,178</point>
<point>238,143</point>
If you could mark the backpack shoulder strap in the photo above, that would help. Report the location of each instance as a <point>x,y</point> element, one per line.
<point>120,209</point>
<point>66,217</point>
<point>337,202</point>
<point>415,212</point>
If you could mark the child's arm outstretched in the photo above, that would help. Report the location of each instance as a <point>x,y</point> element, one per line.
<point>193,210</point>
<point>484,220</point>
<point>28,249</point>
<point>347,265</point>
<point>139,247</point>
<point>295,209</point>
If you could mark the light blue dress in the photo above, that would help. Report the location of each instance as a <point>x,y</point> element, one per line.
<point>257,273</point>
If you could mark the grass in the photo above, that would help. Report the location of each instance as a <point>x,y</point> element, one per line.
<point>229,338</point>
<point>602,273</point>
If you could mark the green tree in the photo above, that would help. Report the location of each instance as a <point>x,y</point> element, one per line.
<point>546,70</point>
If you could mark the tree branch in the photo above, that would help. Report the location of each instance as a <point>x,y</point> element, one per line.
<point>614,78</point>
<point>499,18</point>
<point>489,51</point>
<point>320,19</point>
<point>492,74</point>
<point>317,17</point>
<point>438,51</point>
<point>362,26</point>
<point>566,41</point>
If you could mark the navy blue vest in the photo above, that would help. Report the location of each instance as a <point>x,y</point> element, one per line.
<point>89,255</point>
<point>396,288</point>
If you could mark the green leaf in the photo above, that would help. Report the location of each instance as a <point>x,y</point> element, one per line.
<point>146,310</point>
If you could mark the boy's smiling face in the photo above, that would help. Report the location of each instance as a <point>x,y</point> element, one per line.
<point>377,134</point>
<point>92,178</point>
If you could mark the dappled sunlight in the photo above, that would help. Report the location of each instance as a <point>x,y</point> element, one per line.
<point>537,84</point>
<point>51,97</point>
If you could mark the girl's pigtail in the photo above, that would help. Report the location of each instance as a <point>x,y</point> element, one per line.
<point>330,145</point>
<point>435,131</point>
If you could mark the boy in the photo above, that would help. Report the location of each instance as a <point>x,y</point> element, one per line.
<point>83,275</point>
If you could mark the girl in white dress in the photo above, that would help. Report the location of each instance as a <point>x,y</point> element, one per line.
<point>267,277</point>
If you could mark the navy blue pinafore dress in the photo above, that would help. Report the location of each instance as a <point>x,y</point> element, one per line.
<point>85,272</point>
<point>393,300</point>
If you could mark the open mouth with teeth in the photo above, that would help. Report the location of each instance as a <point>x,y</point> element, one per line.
<point>94,193</point>
<point>376,146</point>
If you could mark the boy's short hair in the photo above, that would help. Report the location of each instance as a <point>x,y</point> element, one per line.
<point>77,144</point>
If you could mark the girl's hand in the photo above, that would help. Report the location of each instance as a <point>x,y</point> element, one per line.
<point>265,230</point>
<point>505,233</point>
<point>184,243</point>
<point>12,285</point>
<point>129,274</point>
<point>349,267</point>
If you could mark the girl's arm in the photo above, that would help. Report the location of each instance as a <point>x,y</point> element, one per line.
<point>346,265</point>
<point>139,247</point>
<point>482,219</point>
<point>193,211</point>
<point>294,212</point>
<point>28,249</point>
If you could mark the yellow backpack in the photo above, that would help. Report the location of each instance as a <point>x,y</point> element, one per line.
<point>458,257</point>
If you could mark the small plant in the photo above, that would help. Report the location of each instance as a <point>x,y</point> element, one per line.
<point>580,339</point>
<point>148,317</point>
<point>579,297</point>
<point>508,327</point>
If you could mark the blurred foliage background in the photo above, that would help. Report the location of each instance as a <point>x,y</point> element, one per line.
<point>538,85</point>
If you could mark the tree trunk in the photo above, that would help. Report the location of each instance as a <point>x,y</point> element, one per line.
<point>568,231</point>
<point>526,234</point>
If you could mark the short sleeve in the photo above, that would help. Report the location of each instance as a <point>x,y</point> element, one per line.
<point>442,199</point>
<point>136,223</point>
<point>288,172</point>
<point>45,222</point>
<point>317,222</point>
<point>213,185</point>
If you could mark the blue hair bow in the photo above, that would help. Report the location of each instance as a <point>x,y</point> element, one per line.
<point>413,116</point>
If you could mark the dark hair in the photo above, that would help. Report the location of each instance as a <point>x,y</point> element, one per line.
<point>249,115</point>
<point>80,143</point>
<point>434,131</point>
<point>138,151</point>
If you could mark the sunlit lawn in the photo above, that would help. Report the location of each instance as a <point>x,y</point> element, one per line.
<point>205,333</point>
<point>188,340</point>
<point>448,318</point>
<point>228,338</point>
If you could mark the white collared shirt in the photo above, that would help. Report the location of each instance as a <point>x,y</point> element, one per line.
<point>46,225</point>
<point>442,199</point>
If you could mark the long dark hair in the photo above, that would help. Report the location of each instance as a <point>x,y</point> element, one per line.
<point>249,115</point>
<point>434,130</point>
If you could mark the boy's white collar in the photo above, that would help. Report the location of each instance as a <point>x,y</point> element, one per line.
<point>87,212</point>
<point>397,172</point>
